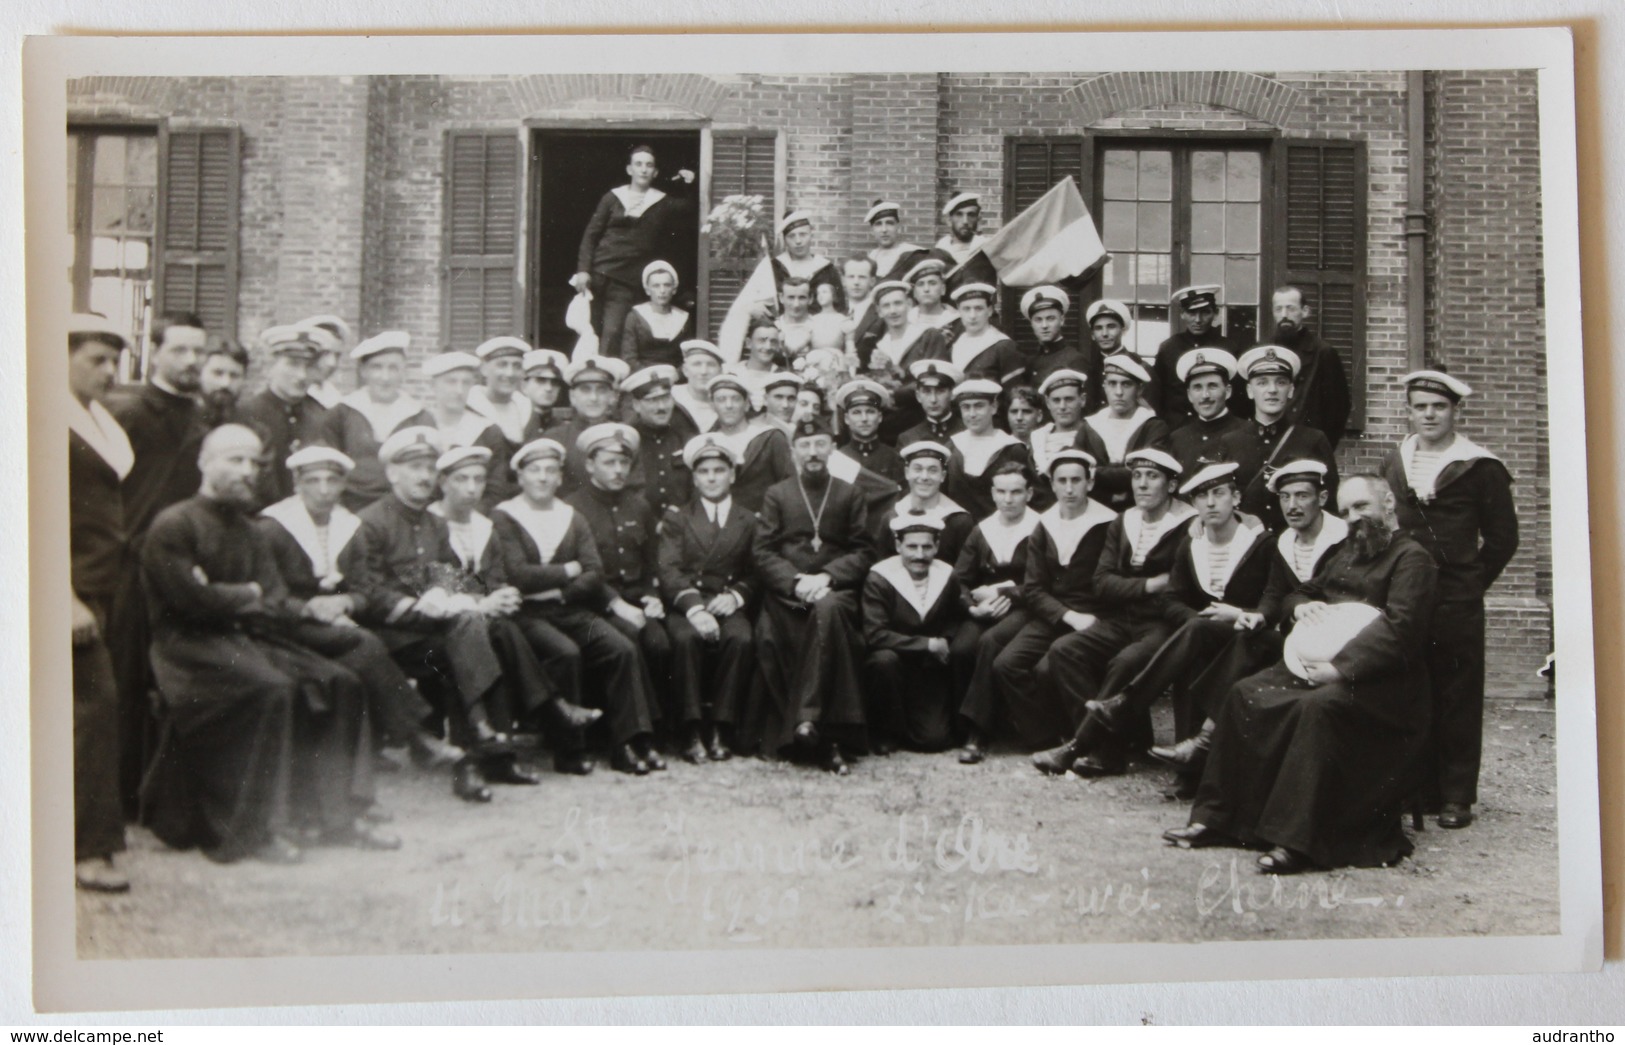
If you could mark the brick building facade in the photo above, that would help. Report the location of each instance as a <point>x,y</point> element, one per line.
<point>1408,204</point>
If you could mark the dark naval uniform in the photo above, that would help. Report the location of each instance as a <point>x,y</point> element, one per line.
<point>878,456</point>
<point>1175,407</point>
<point>993,556</point>
<point>1198,442</point>
<point>283,427</point>
<point>657,468</point>
<point>1260,449</point>
<point>1321,396</point>
<point>912,696</point>
<point>699,561</point>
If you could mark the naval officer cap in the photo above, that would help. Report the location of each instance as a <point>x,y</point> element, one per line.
<point>1200,296</point>
<point>890,286</point>
<point>545,359</point>
<point>319,457</point>
<point>935,371</point>
<point>330,323</point>
<point>986,291</point>
<point>1126,364</point>
<point>650,381</point>
<point>612,436</point>
<point>705,446</point>
<point>1072,455</point>
<point>1062,378</point>
<point>1305,471</point>
<point>1108,307</point>
<point>915,521</point>
<point>782,379</point>
<point>1156,459</point>
<point>961,199</point>
<point>925,448</point>
<point>697,344</point>
<point>1045,297</point>
<point>1268,359</point>
<point>290,340</point>
<point>89,325</point>
<point>862,392</point>
<point>537,450</point>
<point>1220,473</point>
<point>1437,382</point>
<point>459,456</point>
<point>446,362</point>
<point>603,369</point>
<point>501,346</point>
<point>1193,365</point>
<point>977,388</point>
<point>411,443</point>
<point>386,341</point>
<point>883,209</point>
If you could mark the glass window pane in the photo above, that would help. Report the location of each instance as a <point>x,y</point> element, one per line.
<point>1150,330</point>
<point>107,208</point>
<point>1207,228</point>
<point>1118,277</point>
<point>109,160</point>
<point>141,160</point>
<point>1119,233</point>
<point>1207,175</point>
<point>1151,279</point>
<point>1155,224</point>
<point>140,204</point>
<point>1245,176</point>
<point>1118,174</point>
<point>1241,233</point>
<point>1241,279</point>
<point>1156,175</point>
<point>136,255</point>
<point>1208,268</point>
<point>106,253</point>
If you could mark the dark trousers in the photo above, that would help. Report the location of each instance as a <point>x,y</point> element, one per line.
<point>395,710</point>
<point>1455,661</point>
<point>591,662</point>
<point>1035,722</point>
<point>912,696</point>
<point>98,815</point>
<point>611,301</point>
<point>654,646</point>
<point>128,637</point>
<point>1200,661</point>
<point>982,704</point>
<point>1098,662</point>
<point>708,679</point>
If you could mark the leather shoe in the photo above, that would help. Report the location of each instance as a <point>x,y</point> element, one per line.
<point>1189,754</point>
<point>279,850</point>
<point>833,761</point>
<point>1103,761</point>
<point>573,763</point>
<point>972,752</point>
<point>1455,815</point>
<point>715,749</point>
<point>806,735</point>
<point>100,875</point>
<point>468,784</point>
<point>626,760</point>
<point>1110,712</point>
<point>509,771</point>
<point>430,752</point>
<point>651,758</point>
<point>1194,836</point>
<point>1057,760</point>
<point>1282,860</point>
<point>693,748</point>
<point>574,716</point>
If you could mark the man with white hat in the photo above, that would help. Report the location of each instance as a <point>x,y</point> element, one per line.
<point>377,409</point>
<point>861,405</point>
<point>934,384</point>
<point>1317,756</point>
<point>544,382</point>
<point>1045,309</point>
<point>892,256</point>
<point>593,383</point>
<point>1123,425</point>
<point>500,398</point>
<point>283,412</point>
<point>707,572</point>
<point>1270,437</point>
<point>452,377</point>
<point>1198,308</point>
<point>961,248</point>
<point>761,291</point>
<point>1108,320</point>
<point>925,471</point>
<point>1455,497</point>
<point>927,290</point>
<point>656,329</point>
<point>762,450</point>
<point>974,344</point>
<point>779,393</point>
<point>890,355</point>
<point>332,336</point>
<point>978,449</point>
<point>1206,376</point>
<point>657,467</point>
<point>701,362</point>
<point>1065,392</point>
<point>921,645</point>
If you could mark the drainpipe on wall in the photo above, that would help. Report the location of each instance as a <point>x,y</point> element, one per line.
<point>1416,219</point>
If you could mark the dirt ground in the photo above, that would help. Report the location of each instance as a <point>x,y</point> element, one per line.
<point>908,850</point>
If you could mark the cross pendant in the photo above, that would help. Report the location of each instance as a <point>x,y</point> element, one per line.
<point>817,542</point>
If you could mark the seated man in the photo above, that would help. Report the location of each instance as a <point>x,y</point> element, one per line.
<point>1315,757</point>
<point>762,450</point>
<point>1123,425</point>
<point>1269,438</point>
<point>592,402</point>
<point>813,550</point>
<point>1131,584</point>
<point>926,466</point>
<point>920,641</point>
<point>260,732</point>
<point>1058,591</point>
<point>657,468</point>
<point>707,576</point>
<point>1218,578</point>
<point>979,448</point>
<point>990,568</point>
<point>862,406</point>
<point>548,554</point>
<point>1206,374</point>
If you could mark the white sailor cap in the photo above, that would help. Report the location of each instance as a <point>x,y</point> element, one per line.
<point>1304,471</point>
<point>446,362</point>
<point>915,521</point>
<point>610,435</point>
<point>90,323</point>
<point>1072,455</point>
<point>537,449</point>
<point>1208,477</point>
<point>1201,361</point>
<point>1108,307</point>
<point>1439,382</point>
<point>650,381</point>
<point>458,456</point>
<point>862,392</point>
<point>977,388</point>
<point>705,446</point>
<point>693,345</point>
<point>1125,363</point>
<point>546,359</point>
<point>325,339</point>
<point>1155,458</point>
<point>793,220</point>
<point>923,370</point>
<point>925,448</point>
<point>960,199</point>
<point>289,340</point>
<point>1268,359</point>
<point>660,266</point>
<point>607,369</point>
<point>986,291</point>
<point>783,377</point>
<point>409,443</point>
<point>1062,378</point>
<point>925,267</point>
<point>726,380</point>
<point>888,286</point>
<point>330,323</point>
<point>1048,296</point>
<point>883,209</point>
<point>386,341</point>
<point>1202,295</point>
<point>502,346</point>
<point>323,456</point>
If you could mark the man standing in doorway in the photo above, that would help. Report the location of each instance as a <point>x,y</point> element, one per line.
<point>1322,399</point>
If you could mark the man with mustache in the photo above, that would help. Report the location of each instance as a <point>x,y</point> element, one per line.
<point>1316,758</point>
<point>1198,309</point>
<point>658,472</point>
<point>1270,437</point>
<point>1322,399</point>
<point>225,366</point>
<point>1456,498</point>
<point>1205,375</point>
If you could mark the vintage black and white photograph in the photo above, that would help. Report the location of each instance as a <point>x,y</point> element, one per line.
<point>725,507</point>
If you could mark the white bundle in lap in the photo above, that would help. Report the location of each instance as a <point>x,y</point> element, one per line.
<point>1320,641</point>
<point>578,317</point>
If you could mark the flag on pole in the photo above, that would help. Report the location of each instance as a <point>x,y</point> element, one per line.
<point>1051,240</point>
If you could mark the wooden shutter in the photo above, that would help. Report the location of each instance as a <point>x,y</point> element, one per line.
<point>200,179</point>
<point>743,163</point>
<point>479,276</point>
<point>1032,167</point>
<point>1320,201</point>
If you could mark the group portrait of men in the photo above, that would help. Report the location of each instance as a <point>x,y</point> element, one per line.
<point>873,522</point>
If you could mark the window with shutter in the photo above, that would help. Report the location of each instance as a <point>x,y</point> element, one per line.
<point>1033,166</point>
<point>479,274</point>
<point>743,163</point>
<point>198,217</point>
<point>1321,245</point>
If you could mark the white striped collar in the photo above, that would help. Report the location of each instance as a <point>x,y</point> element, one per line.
<point>895,573</point>
<point>1069,533</point>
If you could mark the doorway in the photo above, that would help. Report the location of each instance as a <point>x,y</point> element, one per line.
<point>571,169</point>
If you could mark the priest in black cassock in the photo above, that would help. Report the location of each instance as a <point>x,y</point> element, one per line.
<point>813,550</point>
<point>1315,757</point>
<point>921,642</point>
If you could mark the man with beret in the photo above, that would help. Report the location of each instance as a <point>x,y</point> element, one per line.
<point>707,577</point>
<point>890,357</point>
<point>1108,320</point>
<point>1198,308</point>
<point>1270,437</point>
<point>1045,308</point>
<point>1322,399</point>
<point>549,554</point>
<point>1205,375</point>
<point>1058,591</point>
<point>892,256</point>
<point>978,449</point>
<point>452,377</point>
<point>1123,425</point>
<point>935,415</point>
<point>376,410</point>
<point>813,550</point>
<point>701,362</point>
<point>925,470</point>
<point>544,382</point>
<point>1317,755</point>
<point>961,248</point>
<point>921,644</point>
<point>1131,591</point>
<point>763,451</point>
<point>1064,392</point>
<point>974,343</point>
<point>862,405</point>
<point>1218,578</point>
<point>99,457</point>
<point>499,399</point>
<point>592,383</point>
<point>283,412</point>
<point>1455,497</point>
<point>657,467</point>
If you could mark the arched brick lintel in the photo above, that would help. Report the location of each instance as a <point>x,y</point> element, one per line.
<point>697,94</point>
<point>1257,96</point>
